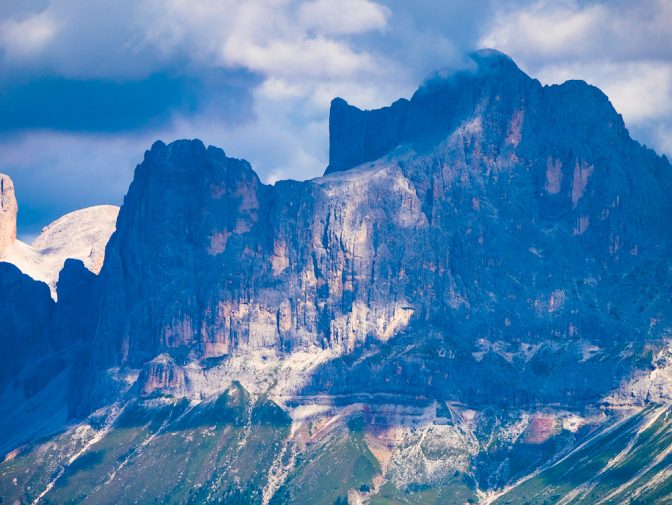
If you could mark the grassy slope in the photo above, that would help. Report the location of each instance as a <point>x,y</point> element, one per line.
<point>223,451</point>
<point>220,452</point>
<point>459,490</point>
<point>325,472</point>
<point>627,464</point>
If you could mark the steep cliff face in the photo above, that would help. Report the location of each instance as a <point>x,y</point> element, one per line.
<point>507,232</point>
<point>25,311</point>
<point>184,234</point>
<point>541,221</point>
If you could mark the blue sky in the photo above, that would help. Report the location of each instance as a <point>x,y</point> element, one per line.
<point>88,85</point>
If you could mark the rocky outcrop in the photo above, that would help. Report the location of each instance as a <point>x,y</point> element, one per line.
<point>357,136</point>
<point>8,212</point>
<point>73,318</point>
<point>184,231</point>
<point>491,81</point>
<point>162,376</point>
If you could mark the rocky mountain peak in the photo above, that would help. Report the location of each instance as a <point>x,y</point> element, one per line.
<point>493,59</point>
<point>443,100</point>
<point>8,211</point>
<point>489,91</point>
<point>484,64</point>
<point>491,283</point>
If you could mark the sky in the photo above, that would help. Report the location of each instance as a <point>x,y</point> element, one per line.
<point>87,86</point>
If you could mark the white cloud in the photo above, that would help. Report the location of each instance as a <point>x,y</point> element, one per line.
<point>299,59</point>
<point>343,16</point>
<point>273,37</point>
<point>564,29</point>
<point>551,29</point>
<point>282,40</point>
<point>622,47</point>
<point>24,38</point>
<point>641,91</point>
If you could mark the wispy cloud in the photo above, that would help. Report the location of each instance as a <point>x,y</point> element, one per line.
<point>570,29</point>
<point>624,48</point>
<point>89,84</point>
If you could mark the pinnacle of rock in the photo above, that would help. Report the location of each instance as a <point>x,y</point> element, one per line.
<point>8,211</point>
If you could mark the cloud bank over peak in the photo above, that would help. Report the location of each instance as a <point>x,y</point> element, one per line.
<point>624,48</point>
<point>89,84</point>
<point>570,29</point>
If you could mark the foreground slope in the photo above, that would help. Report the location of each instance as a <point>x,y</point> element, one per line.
<point>629,462</point>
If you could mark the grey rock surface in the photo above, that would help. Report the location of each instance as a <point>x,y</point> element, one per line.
<point>508,245</point>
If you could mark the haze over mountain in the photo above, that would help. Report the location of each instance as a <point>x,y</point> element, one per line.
<point>474,296</point>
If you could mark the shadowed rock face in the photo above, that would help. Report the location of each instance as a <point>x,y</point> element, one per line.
<point>40,338</point>
<point>26,310</point>
<point>508,241</point>
<point>491,81</point>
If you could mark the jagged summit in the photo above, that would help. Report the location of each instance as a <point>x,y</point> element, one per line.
<point>444,98</point>
<point>489,89</point>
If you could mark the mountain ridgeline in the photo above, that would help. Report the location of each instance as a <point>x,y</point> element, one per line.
<point>478,285</point>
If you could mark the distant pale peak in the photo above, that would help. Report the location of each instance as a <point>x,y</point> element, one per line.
<point>8,211</point>
<point>82,235</point>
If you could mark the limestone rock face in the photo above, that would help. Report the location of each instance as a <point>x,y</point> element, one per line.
<point>479,281</point>
<point>8,211</point>
<point>501,232</point>
<point>492,240</point>
<point>162,375</point>
<point>184,246</point>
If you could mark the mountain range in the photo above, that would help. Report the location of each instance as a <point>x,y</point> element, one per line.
<point>472,305</point>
